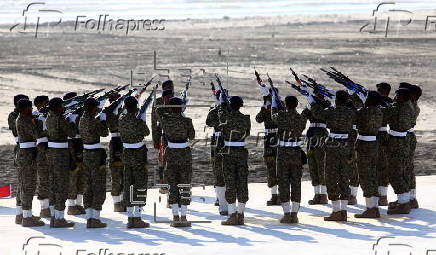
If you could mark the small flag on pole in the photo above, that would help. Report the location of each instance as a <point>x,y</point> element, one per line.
<point>6,191</point>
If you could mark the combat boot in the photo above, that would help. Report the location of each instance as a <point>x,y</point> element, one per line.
<point>52,219</point>
<point>335,216</point>
<point>369,213</point>
<point>240,219</point>
<point>45,213</point>
<point>62,223</point>
<point>18,218</point>
<point>217,203</point>
<point>344,215</point>
<point>286,219</point>
<point>414,204</point>
<point>400,209</point>
<point>32,222</point>
<point>95,223</point>
<point>176,221</point>
<point>224,213</point>
<point>184,222</point>
<point>119,207</point>
<point>232,220</point>
<point>383,201</point>
<point>73,210</point>
<point>316,200</point>
<point>323,199</point>
<point>352,200</point>
<point>81,209</point>
<point>392,205</point>
<point>274,200</point>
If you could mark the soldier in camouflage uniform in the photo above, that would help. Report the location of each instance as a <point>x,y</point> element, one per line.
<point>290,125</point>
<point>26,161</point>
<point>12,117</point>
<point>217,142</point>
<point>133,129</point>
<point>77,179</point>
<point>158,138</point>
<point>369,119</point>
<point>382,141</point>
<point>115,155</point>
<point>401,118</point>
<point>59,129</point>
<point>270,148</point>
<point>41,160</point>
<point>340,120</point>
<point>94,161</point>
<point>235,128</point>
<point>178,131</point>
<point>316,136</point>
<point>354,103</point>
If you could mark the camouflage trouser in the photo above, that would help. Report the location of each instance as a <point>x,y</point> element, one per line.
<point>94,168</point>
<point>235,170</point>
<point>178,170</point>
<point>337,171</point>
<point>366,163</point>
<point>42,168</point>
<point>316,161</point>
<point>269,156</point>
<point>116,166</point>
<point>354,172</point>
<point>410,160</point>
<point>26,176</point>
<point>398,152</point>
<point>289,172</point>
<point>78,182</point>
<point>59,176</point>
<point>217,161</point>
<point>135,176</point>
<point>18,195</point>
<point>382,160</point>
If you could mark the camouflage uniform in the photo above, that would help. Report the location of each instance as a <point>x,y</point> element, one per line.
<point>26,156</point>
<point>412,143</point>
<point>178,157</point>
<point>58,158</point>
<point>354,103</point>
<point>156,132</point>
<point>115,156</point>
<point>12,117</point>
<point>289,155</point>
<point>270,144</point>
<point>41,163</point>
<point>235,127</point>
<point>94,160</point>
<point>340,120</point>
<point>133,131</point>
<point>217,142</point>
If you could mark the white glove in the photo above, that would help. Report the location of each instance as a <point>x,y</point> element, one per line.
<point>102,103</point>
<point>351,92</point>
<point>72,117</point>
<point>222,98</point>
<point>264,90</point>
<point>102,116</point>
<point>362,97</point>
<point>310,99</point>
<point>274,100</point>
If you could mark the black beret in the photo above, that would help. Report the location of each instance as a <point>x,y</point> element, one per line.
<point>40,99</point>
<point>167,83</point>
<point>90,103</point>
<point>374,95</point>
<point>69,95</point>
<point>55,102</point>
<point>167,92</point>
<point>19,97</point>
<point>416,90</point>
<point>384,85</point>
<point>405,85</point>
<point>342,95</point>
<point>403,92</point>
<point>236,101</point>
<point>291,100</point>
<point>24,103</point>
<point>130,101</point>
<point>176,101</point>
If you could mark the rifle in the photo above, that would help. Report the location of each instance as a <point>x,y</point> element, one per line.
<point>147,102</point>
<point>103,98</point>
<point>297,79</point>
<point>78,99</point>
<point>298,88</point>
<point>212,87</point>
<point>140,92</point>
<point>258,79</point>
<point>114,106</point>
<point>344,80</point>
<point>223,92</point>
<point>274,92</point>
<point>184,93</point>
<point>321,88</point>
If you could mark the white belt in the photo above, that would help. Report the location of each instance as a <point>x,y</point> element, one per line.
<point>27,145</point>
<point>412,130</point>
<point>92,146</point>
<point>77,137</point>
<point>338,136</point>
<point>133,145</point>
<point>116,134</point>
<point>290,144</point>
<point>58,145</point>
<point>367,138</point>
<point>178,145</point>
<point>217,134</point>
<point>355,127</point>
<point>41,140</point>
<point>396,133</point>
<point>383,129</point>
<point>234,144</point>
<point>16,139</point>
<point>271,130</point>
<point>320,125</point>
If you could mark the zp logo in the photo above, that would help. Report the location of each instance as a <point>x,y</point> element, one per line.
<point>36,245</point>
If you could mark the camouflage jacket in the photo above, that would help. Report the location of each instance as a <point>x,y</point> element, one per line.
<point>91,129</point>
<point>290,124</point>
<point>386,102</point>
<point>316,131</point>
<point>12,122</point>
<point>400,116</point>
<point>339,119</point>
<point>417,111</point>
<point>177,128</point>
<point>212,119</point>
<point>156,114</point>
<point>368,120</point>
<point>58,128</point>
<point>264,116</point>
<point>26,129</point>
<point>235,126</point>
<point>112,121</point>
<point>132,129</point>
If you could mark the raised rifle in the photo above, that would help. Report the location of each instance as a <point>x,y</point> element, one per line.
<point>274,93</point>
<point>78,99</point>
<point>147,102</point>
<point>184,93</point>
<point>298,88</point>
<point>344,80</point>
<point>319,87</point>
<point>144,88</point>
<point>222,91</point>
<point>115,105</point>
